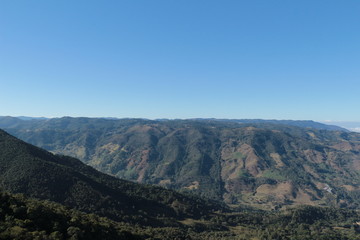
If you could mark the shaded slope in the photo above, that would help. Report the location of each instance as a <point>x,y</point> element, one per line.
<point>26,219</point>
<point>37,173</point>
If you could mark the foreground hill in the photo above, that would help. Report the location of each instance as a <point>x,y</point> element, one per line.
<point>37,173</point>
<point>267,164</point>
<point>25,219</point>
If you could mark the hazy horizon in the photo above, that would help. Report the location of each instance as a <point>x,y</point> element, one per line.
<point>349,125</point>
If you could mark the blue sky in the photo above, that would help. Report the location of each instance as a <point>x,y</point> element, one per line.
<point>181,59</point>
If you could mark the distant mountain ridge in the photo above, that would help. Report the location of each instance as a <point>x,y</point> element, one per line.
<point>7,121</point>
<point>297,123</point>
<point>353,126</point>
<point>262,164</point>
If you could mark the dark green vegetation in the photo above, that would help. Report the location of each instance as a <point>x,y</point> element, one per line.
<point>36,173</point>
<point>22,218</point>
<point>266,164</point>
<point>140,212</point>
<point>26,219</point>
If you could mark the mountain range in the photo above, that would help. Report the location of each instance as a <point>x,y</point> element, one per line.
<point>75,201</point>
<point>265,164</point>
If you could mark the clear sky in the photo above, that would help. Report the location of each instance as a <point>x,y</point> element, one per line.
<point>275,59</point>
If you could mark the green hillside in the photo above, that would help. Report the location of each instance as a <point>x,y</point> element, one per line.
<point>36,173</point>
<point>23,218</point>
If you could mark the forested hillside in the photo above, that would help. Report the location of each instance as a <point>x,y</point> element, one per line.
<point>36,173</point>
<point>26,219</point>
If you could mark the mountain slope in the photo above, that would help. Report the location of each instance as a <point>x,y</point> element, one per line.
<point>37,173</point>
<point>261,163</point>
